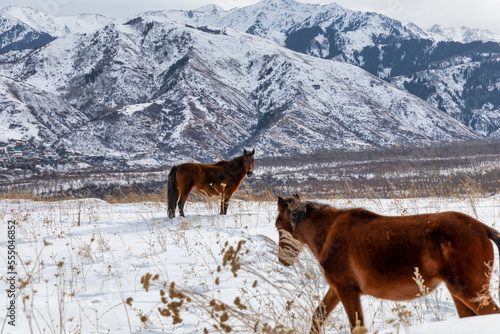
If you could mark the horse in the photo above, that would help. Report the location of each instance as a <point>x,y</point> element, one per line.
<point>222,179</point>
<point>363,253</point>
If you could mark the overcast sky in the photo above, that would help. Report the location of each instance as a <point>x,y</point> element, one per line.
<point>472,13</point>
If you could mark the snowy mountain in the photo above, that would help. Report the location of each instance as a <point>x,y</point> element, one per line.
<point>466,87</point>
<point>24,28</point>
<point>31,113</point>
<point>54,26</point>
<point>462,34</point>
<point>383,46</point>
<point>178,84</point>
<point>174,91</point>
<point>15,36</point>
<point>333,28</point>
<point>327,30</point>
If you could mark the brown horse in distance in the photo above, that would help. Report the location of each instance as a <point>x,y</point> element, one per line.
<point>363,253</point>
<point>220,179</point>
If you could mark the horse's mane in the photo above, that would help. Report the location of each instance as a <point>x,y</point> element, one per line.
<point>362,213</point>
<point>358,212</point>
<point>320,206</point>
<point>225,162</point>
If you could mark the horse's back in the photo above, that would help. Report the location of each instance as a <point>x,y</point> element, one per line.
<point>190,174</point>
<point>389,249</point>
<point>449,220</point>
<point>198,170</point>
<point>406,236</point>
<point>417,231</point>
<point>206,179</point>
<point>188,169</point>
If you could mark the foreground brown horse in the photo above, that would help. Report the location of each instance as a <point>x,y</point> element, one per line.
<point>220,179</point>
<point>363,253</point>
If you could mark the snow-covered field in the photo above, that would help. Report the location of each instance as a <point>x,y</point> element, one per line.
<point>83,267</point>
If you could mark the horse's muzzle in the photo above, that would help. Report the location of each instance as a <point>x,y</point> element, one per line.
<point>286,262</point>
<point>250,173</point>
<point>288,254</point>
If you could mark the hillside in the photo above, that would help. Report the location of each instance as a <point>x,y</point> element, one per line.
<point>176,91</point>
<point>383,46</point>
<point>204,84</point>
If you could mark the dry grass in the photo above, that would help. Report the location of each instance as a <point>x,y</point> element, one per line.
<point>270,299</point>
<point>265,304</point>
<point>440,170</point>
<point>138,197</point>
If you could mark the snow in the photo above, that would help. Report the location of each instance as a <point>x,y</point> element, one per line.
<point>83,165</point>
<point>7,134</point>
<point>82,259</point>
<point>51,115</point>
<point>55,26</point>
<point>148,162</point>
<point>131,109</point>
<point>484,324</point>
<point>314,102</point>
<point>462,34</point>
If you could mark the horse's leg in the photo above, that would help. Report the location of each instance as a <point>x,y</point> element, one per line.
<point>172,191</point>
<point>479,304</point>
<point>182,200</point>
<point>224,202</point>
<point>472,292</point>
<point>478,301</point>
<point>323,311</point>
<point>173,203</point>
<point>350,298</point>
<point>223,206</point>
<point>462,309</point>
<point>468,278</point>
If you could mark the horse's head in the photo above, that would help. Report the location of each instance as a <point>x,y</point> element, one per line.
<point>248,158</point>
<point>291,212</point>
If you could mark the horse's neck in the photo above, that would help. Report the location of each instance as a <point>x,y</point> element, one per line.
<point>237,167</point>
<point>315,230</point>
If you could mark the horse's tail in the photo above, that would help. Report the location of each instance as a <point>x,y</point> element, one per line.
<point>494,236</point>
<point>172,191</point>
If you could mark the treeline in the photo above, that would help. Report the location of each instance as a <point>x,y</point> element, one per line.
<point>446,169</point>
<point>410,56</point>
<point>483,86</point>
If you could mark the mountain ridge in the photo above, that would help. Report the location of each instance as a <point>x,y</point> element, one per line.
<point>150,86</point>
<point>283,98</point>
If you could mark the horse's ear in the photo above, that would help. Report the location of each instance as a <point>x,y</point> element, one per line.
<point>296,197</point>
<point>253,152</point>
<point>245,152</point>
<point>281,204</point>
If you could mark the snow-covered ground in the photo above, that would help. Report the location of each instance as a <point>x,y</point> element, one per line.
<point>81,265</point>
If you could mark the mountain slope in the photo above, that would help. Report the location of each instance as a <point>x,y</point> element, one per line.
<point>341,29</point>
<point>383,46</point>
<point>462,34</point>
<point>28,112</point>
<point>465,87</point>
<point>173,90</point>
<point>52,25</point>
<point>24,28</point>
<point>15,36</point>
